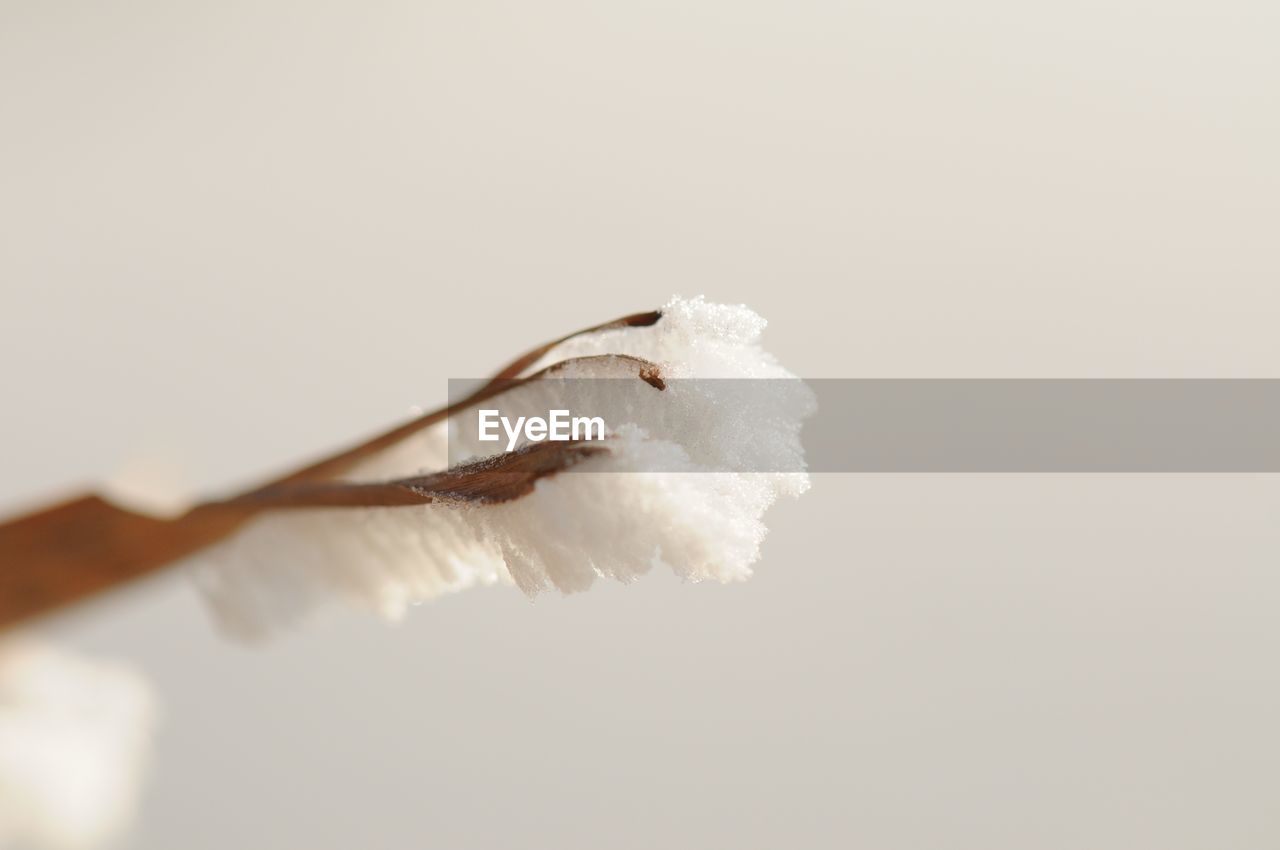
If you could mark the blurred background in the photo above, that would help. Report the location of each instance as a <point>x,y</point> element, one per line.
<point>236,235</point>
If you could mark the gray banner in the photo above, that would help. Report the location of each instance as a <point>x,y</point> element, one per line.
<point>935,425</point>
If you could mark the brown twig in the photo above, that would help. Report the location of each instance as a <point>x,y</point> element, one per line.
<point>65,553</point>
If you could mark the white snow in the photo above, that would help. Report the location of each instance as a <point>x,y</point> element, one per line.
<point>675,489</point>
<point>74,738</point>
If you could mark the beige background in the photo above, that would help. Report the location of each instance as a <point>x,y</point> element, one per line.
<point>234,234</point>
